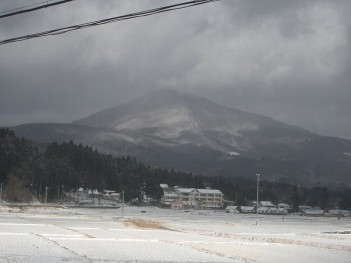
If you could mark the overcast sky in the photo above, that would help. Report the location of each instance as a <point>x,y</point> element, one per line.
<point>290,60</point>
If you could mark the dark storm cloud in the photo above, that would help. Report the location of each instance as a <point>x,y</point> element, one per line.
<point>286,59</point>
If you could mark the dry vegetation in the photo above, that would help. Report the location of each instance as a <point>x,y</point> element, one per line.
<point>146,224</point>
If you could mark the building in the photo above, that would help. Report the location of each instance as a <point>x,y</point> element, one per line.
<point>178,205</point>
<point>192,197</point>
<point>113,195</point>
<point>265,207</point>
<point>339,213</point>
<point>266,204</point>
<point>169,195</point>
<point>272,210</point>
<point>247,209</point>
<point>209,198</point>
<point>263,204</point>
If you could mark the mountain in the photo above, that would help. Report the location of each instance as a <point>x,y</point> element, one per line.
<point>177,130</point>
<point>187,119</point>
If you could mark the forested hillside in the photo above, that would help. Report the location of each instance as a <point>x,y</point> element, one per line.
<point>25,172</point>
<point>66,166</point>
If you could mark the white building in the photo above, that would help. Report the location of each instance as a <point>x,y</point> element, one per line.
<point>206,198</point>
<point>209,198</point>
<point>265,207</point>
<point>169,195</point>
<point>247,209</point>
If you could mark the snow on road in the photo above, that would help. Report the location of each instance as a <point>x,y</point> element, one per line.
<point>159,235</point>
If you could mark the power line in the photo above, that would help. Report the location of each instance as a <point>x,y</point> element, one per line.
<point>24,7</point>
<point>30,8</point>
<point>149,12</point>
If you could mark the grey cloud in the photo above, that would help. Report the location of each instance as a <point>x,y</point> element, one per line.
<point>286,59</point>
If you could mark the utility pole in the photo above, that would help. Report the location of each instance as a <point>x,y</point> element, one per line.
<point>122,202</point>
<point>61,192</point>
<point>1,193</point>
<point>141,195</point>
<point>258,185</point>
<point>46,194</point>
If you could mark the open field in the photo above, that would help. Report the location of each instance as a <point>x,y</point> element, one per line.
<point>158,235</point>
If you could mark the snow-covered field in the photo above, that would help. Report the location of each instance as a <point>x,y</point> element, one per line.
<point>148,234</point>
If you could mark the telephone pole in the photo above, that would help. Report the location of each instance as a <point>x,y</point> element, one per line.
<point>122,202</point>
<point>258,185</point>
<point>1,193</point>
<point>46,194</point>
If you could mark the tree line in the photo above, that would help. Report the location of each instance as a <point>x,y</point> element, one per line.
<point>25,172</point>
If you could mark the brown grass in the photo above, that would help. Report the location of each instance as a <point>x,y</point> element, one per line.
<point>146,224</point>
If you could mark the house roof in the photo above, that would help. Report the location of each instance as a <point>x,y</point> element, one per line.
<point>185,190</point>
<point>247,208</point>
<point>202,191</point>
<point>281,205</point>
<point>267,203</point>
<point>209,191</point>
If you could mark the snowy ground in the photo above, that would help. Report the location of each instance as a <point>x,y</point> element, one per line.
<point>158,235</point>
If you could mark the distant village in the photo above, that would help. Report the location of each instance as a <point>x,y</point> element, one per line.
<point>179,198</point>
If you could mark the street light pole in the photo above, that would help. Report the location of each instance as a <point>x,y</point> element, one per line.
<point>258,185</point>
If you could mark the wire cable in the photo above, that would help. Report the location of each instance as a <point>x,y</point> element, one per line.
<point>24,7</point>
<point>38,6</point>
<point>149,12</point>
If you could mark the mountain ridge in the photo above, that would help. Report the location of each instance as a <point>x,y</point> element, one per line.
<point>165,97</point>
<point>178,116</point>
<point>186,132</point>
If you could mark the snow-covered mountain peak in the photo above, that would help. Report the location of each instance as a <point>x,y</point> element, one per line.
<point>188,119</point>
<point>174,111</point>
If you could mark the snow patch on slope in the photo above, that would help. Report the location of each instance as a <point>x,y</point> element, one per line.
<point>176,120</point>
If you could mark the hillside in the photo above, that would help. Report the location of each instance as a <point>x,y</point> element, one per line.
<point>171,129</point>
